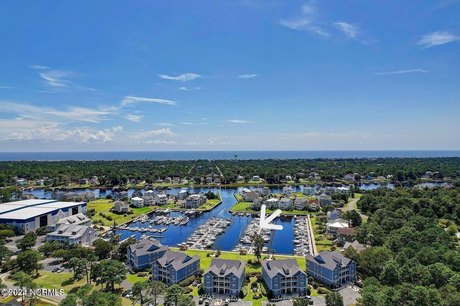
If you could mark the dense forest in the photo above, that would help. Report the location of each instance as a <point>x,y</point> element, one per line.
<point>414,257</point>
<point>111,173</point>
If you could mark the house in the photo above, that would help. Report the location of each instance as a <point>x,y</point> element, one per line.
<point>217,180</point>
<point>309,191</point>
<point>142,254</point>
<point>256,178</point>
<point>288,178</point>
<point>149,193</point>
<point>331,268</point>
<point>287,191</point>
<point>168,180</point>
<point>137,202</point>
<point>161,199</point>
<point>120,195</point>
<point>272,203</point>
<point>300,203</point>
<point>257,203</point>
<point>39,182</point>
<point>176,180</point>
<point>83,181</point>
<point>345,234</point>
<point>21,182</point>
<point>358,247</point>
<point>285,203</point>
<point>174,267</point>
<point>332,227</point>
<point>182,194</point>
<point>284,277</point>
<point>94,180</point>
<point>78,219</point>
<point>195,200</point>
<point>120,207</point>
<point>329,190</point>
<point>333,215</point>
<point>224,276</point>
<point>73,234</point>
<point>324,199</point>
<point>249,195</point>
<point>148,200</point>
<point>313,205</point>
<point>349,177</point>
<point>265,191</point>
<point>209,179</point>
<point>240,179</point>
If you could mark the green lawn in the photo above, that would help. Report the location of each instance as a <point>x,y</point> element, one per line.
<point>104,206</point>
<point>52,280</point>
<point>246,207</point>
<point>250,295</point>
<point>210,204</point>
<point>322,243</point>
<point>134,278</point>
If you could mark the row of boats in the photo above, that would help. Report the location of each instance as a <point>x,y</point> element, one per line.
<point>149,229</point>
<point>165,220</point>
<point>302,242</point>
<point>245,244</point>
<point>205,236</point>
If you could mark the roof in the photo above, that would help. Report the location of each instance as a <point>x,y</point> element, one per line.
<point>137,199</point>
<point>146,246</point>
<point>347,231</point>
<point>337,223</point>
<point>177,260</point>
<point>355,245</point>
<point>285,267</point>
<point>225,267</point>
<point>75,219</point>
<point>330,260</point>
<point>73,231</point>
<point>27,209</point>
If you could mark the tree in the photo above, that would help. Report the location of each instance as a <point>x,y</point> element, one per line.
<point>102,248</point>
<point>5,253</point>
<point>109,272</point>
<point>24,282</point>
<point>354,217</point>
<point>28,261</point>
<point>258,243</point>
<point>121,250</point>
<point>371,260</point>
<point>90,261</point>
<point>300,302</point>
<point>27,241</point>
<point>173,294</point>
<point>137,292</point>
<point>78,265</point>
<point>390,275</point>
<point>155,288</point>
<point>334,298</point>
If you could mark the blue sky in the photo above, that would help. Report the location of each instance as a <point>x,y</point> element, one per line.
<point>229,75</point>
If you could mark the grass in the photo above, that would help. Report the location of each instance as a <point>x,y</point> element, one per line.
<point>104,206</point>
<point>322,243</point>
<point>134,278</point>
<point>250,295</point>
<point>210,204</point>
<point>52,280</point>
<point>246,208</point>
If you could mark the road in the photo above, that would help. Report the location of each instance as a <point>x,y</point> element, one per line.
<point>312,237</point>
<point>351,206</point>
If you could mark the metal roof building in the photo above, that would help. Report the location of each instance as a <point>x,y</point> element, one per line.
<point>29,215</point>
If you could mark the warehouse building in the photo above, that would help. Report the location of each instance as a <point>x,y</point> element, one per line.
<point>29,215</point>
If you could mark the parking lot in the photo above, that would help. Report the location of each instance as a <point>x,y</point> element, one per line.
<point>220,302</point>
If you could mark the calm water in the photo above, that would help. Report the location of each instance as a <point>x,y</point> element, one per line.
<point>215,155</point>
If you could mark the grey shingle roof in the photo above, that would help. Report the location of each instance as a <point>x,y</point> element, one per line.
<point>285,267</point>
<point>225,267</point>
<point>178,260</point>
<point>147,246</point>
<point>330,260</point>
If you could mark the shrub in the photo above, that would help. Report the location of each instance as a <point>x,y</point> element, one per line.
<point>187,282</point>
<point>187,290</point>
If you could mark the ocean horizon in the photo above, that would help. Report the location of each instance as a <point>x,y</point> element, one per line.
<point>222,155</point>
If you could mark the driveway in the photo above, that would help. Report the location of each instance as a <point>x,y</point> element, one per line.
<point>350,295</point>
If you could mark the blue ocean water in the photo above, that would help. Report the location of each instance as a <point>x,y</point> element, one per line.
<point>218,155</point>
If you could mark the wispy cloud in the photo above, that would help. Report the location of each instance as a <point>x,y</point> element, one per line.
<point>153,133</point>
<point>402,71</point>
<point>165,124</point>
<point>181,77</point>
<point>239,121</point>
<point>185,88</point>
<point>132,100</point>
<point>247,76</point>
<point>348,29</point>
<point>56,78</point>
<point>133,118</point>
<point>39,67</point>
<point>307,20</point>
<point>187,123</point>
<point>437,39</point>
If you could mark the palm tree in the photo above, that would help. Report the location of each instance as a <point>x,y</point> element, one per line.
<point>173,294</point>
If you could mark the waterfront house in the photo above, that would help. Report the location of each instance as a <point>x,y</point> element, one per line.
<point>83,181</point>
<point>257,203</point>
<point>148,200</point>
<point>256,178</point>
<point>240,179</point>
<point>137,202</point>
<point>161,199</point>
<point>183,193</point>
<point>249,195</point>
<point>144,253</point>
<point>333,226</point>
<point>265,191</point>
<point>174,267</point>
<point>224,276</point>
<point>331,268</point>
<point>288,178</point>
<point>313,205</point>
<point>349,177</point>
<point>120,207</point>
<point>285,203</point>
<point>324,199</point>
<point>287,191</point>
<point>78,219</point>
<point>176,180</point>
<point>39,182</point>
<point>300,203</point>
<point>149,193</point>
<point>195,200</point>
<point>121,195</point>
<point>284,277</point>
<point>309,191</point>
<point>21,182</point>
<point>73,234</point>
<point>272,203</point>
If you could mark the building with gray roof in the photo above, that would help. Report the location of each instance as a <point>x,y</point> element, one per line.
<point>144,253</point>
<point>73,234</point>
<point>174,267</point>
<point>78,219</point>
<point>29,215</point>
<point>284,277</point>
<point>224,276</point>
<point>331,268</point>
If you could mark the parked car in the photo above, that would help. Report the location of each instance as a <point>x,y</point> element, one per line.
<point>200,300</point>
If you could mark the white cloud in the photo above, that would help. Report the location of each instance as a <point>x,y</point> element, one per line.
<point>239,121</point>
<point>133,118</point>
<point>56,78</point>
<point>39,67</point>
<point>165,124</point>
<point>184,88</point>
<point>132,100</point>
<point>145,135</point>
<point>181,77</point>
<point>80,114</point>
<point>437,39</point>
<point>307,20</point>
<point>162,142</point>
<point>247,76</point>
<point>187,123</point>
<point>348,29</point>
<point>418,70</point>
